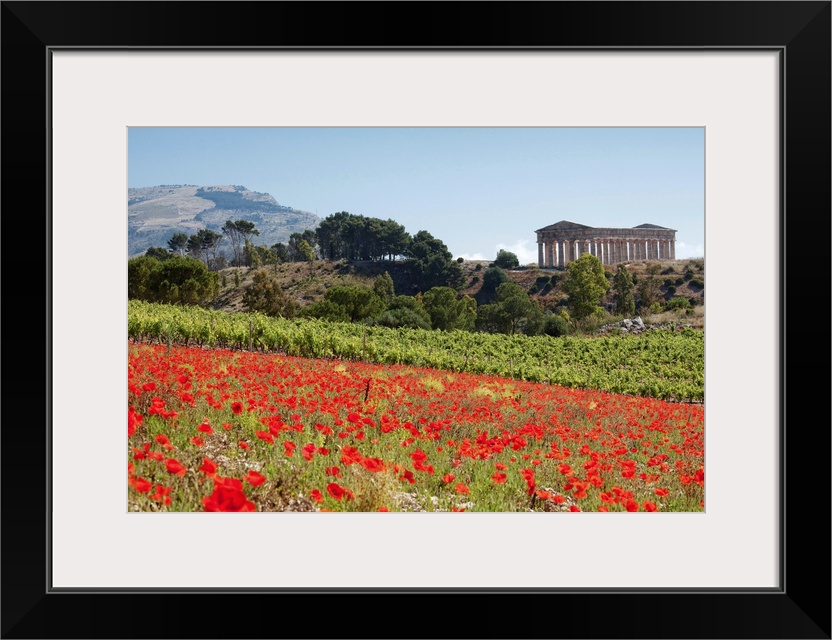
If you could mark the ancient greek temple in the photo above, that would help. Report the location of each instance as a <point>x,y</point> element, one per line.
<point>562,242</point>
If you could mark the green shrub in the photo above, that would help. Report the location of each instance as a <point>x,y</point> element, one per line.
<point>678,304</point>
<point>696,282</point>
<point>493,278</point>
<point>556,326</point>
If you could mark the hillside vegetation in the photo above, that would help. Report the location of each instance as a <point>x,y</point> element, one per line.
<point>307,282</point>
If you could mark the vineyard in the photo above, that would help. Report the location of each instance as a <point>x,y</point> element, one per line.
<point>661,364</point>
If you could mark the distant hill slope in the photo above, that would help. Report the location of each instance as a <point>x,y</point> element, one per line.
<point>154,214</point>
<point>307,283</point>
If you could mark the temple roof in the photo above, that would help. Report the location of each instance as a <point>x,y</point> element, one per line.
<point>647,225</point>
<point>564,224</point>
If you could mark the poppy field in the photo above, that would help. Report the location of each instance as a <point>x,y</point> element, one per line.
<point>219,430</point>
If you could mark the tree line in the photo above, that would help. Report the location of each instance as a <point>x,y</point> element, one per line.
<point>185,273</point>
<point>340,236</point>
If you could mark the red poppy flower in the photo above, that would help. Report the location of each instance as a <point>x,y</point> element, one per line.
<point>197,441</point>
<point>208,467</point>
<point>142,485</point>
<point>265,435</point>
<point>149,386</point>
<point>604,508</point>
<point>228,483</point>
<point>499,478</point>
<point>162,494</point>
<point>289,448</point>
<point>650,506</point>
<point>254,479</point>
<point>205,428</point>
<point>373,464</point>
<point>242,444</point>
<point>333,471</point>
<point>133,421</point>
<point>661,492</point>
<point>448,478</point>
<point>385,509</point>
<point>236,408</point>
<point>175,467</point>
<point>227,499</point>
<point>462,489</point>
<point>631,505</point>
<point>162,439</point>
<point>316,495</point>
<point>308,450</point>
<point>336,491</point>
<point>574,508</point>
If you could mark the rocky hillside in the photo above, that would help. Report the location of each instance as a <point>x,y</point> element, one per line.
<point>307,282</point>
<point>154,214</point>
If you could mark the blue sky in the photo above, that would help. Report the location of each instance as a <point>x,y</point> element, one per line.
<point>477,189</point>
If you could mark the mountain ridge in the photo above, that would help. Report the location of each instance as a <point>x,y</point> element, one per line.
<point>155,213</point>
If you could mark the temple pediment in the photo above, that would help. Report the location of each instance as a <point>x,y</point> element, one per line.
<point>564,225</point>
<point>647,225</point>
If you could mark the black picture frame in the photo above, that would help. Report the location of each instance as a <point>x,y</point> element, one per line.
<point>799,608</point>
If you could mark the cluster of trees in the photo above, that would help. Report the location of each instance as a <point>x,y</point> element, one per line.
<point>175,280</point>
<point>440,307</point>
<point>341,235</point>
<point>346,236</point>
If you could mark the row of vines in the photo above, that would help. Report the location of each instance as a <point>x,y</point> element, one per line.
<point>667,365</point>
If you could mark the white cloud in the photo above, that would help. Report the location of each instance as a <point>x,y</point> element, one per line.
<point>684,252</point>
<point>522,249</point>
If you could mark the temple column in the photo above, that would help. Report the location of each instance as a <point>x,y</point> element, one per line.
<point>567,255</point>
<point>550,250</point>
<point>540,262</point>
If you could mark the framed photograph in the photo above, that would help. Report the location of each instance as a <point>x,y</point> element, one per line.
<point>88,85</point>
